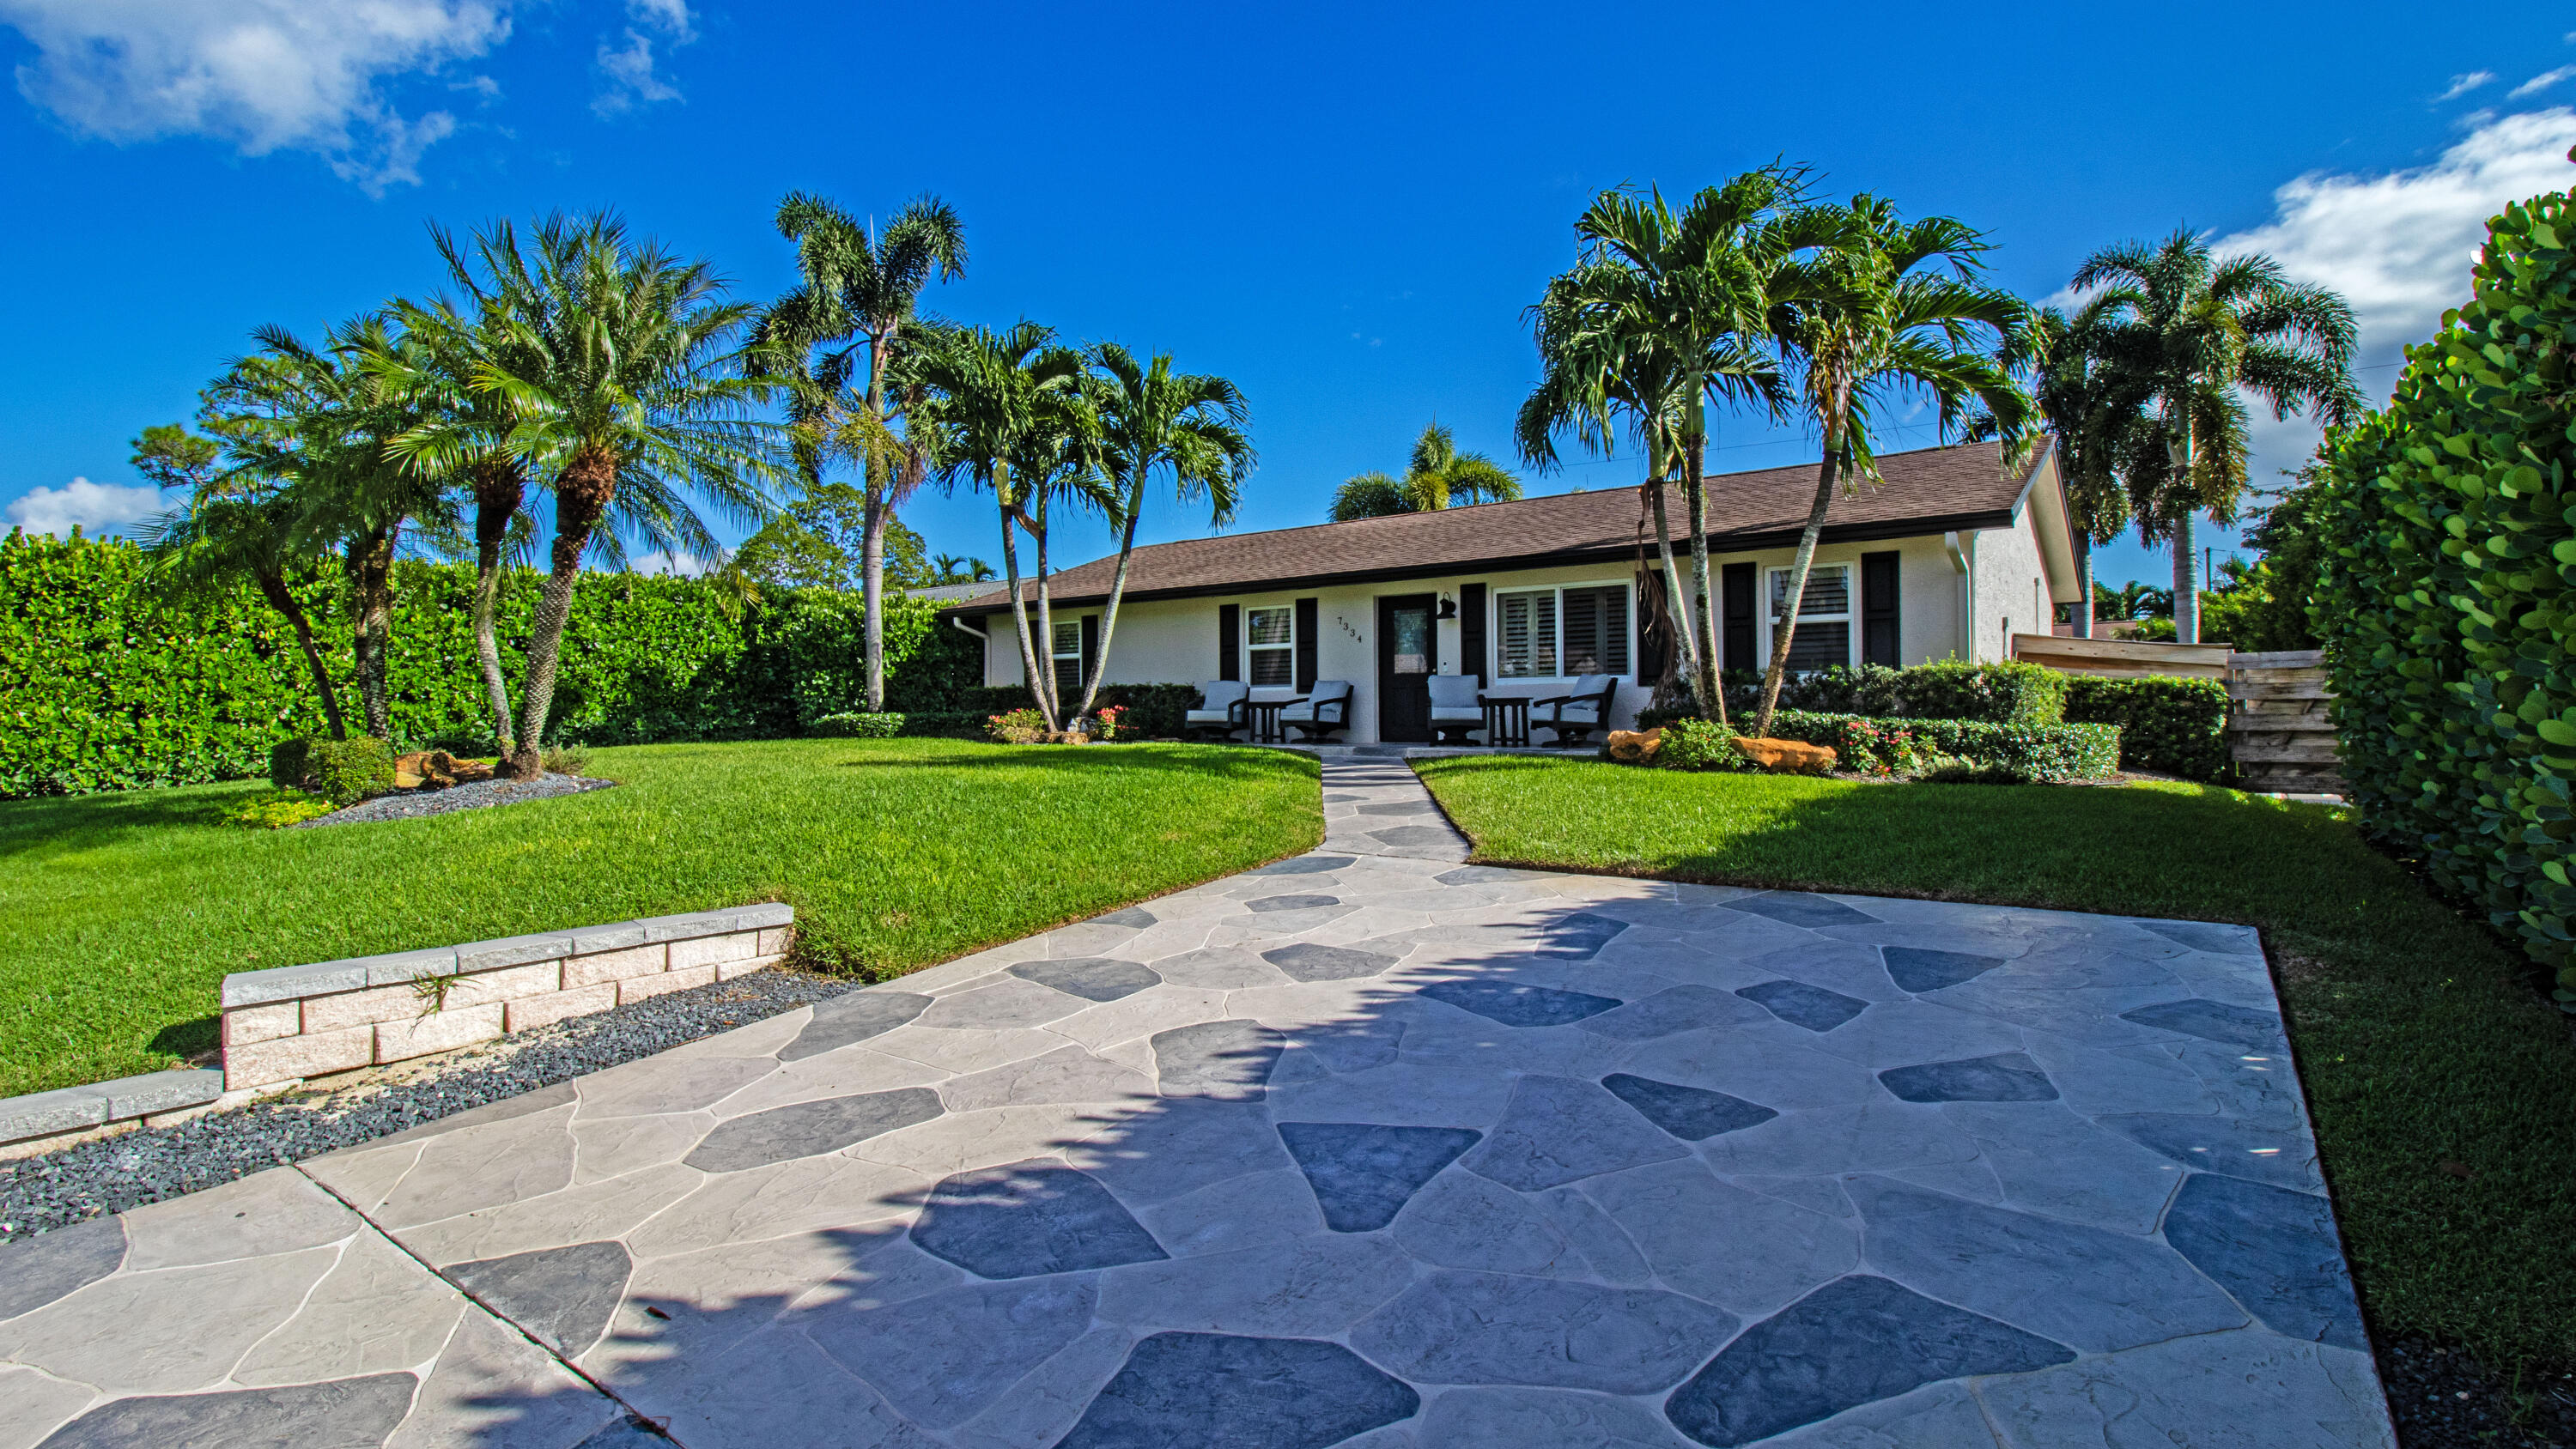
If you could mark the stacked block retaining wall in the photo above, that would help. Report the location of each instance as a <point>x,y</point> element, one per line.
<point>334,1016</point>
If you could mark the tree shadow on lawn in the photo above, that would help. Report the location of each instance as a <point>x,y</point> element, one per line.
<point>89,822</point>
<point>1201,760</point>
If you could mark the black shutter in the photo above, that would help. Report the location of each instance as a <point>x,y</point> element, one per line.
<point>1878,634</point>
<point>1090,646</point>
<point>1735,592</point>
<point>1229,641</point>
<point>1471,631</point>
<point>1650,644</point>
<point>1306,641</point>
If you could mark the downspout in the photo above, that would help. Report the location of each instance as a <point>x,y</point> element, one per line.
<point>984,651</point>
<point>1960,547</point>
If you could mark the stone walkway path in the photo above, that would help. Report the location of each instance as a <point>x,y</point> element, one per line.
<point>1365,1147</point>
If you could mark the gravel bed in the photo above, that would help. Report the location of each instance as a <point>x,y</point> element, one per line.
<point>2443,1399</point>
<point>411,804</point>
<point>115,1173</point>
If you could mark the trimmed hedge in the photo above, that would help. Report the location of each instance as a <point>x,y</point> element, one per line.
<point>2044,754</point>
<point>2172,726</point>
<point>107,682</point>
<point>2011,692</point>
<point>941,724</point>
<point>2449,593</point>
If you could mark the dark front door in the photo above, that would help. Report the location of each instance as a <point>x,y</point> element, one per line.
<point>1408,654</point>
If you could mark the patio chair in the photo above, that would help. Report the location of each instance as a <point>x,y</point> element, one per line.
<point>1325,712</point>
<point>1457,708</point>
<point>1579,711</point>
<point>1225,705</point>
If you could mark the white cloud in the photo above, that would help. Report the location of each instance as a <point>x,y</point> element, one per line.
<point>672,17</point>
<point>92,507</point>
<point>2541,82</point>
<point>265,75</point>
<point>678,564</point>
<point>632,81</point>
<point>2398,245</point>
<point>2461,85</point>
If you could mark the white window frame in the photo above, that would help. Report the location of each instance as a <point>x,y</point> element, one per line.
<point>1494,593</point>
<point>1287,649</point>
<point>1849,618</point>
<point>1057,654</point>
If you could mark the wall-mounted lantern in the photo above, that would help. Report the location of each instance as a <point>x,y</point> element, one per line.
<point>1448,606</point>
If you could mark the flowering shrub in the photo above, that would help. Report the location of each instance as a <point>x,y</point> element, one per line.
<point>1018,727</point>
<point>1106,724</point>
<point>1881,747</point>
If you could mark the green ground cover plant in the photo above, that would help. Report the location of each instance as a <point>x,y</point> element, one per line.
<point>2440,1083</point>
<point>125,911</point>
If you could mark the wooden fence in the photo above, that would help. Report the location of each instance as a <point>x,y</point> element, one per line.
<point>2277,725</point>
<point>2122,658</point>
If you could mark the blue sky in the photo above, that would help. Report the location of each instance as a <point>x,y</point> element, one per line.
<point>1342,208</point>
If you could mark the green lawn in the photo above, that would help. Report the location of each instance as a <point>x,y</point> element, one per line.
<point>125,911</point>
<point>2418,1041</point>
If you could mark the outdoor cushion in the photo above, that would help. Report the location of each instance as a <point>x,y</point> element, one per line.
<point>1332,696</point>
<point>1453,692</point>
<point>1207,716</point>
<point>1216,694</point>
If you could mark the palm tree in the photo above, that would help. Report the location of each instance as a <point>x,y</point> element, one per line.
<point>952,568</point>
<point>1438,477</point>
<point>1586,376</point>
<point>1152,417</point>
<point>1871,312</point>
<point>318,419</point>
<point>1662,315</point>
<point>2181,334</point>
<point>620,380</point>
<point>465,430</point>
<point>988,395</point>
<point>858,289</point>
<point>236,525</point>
<point>2056,356</point>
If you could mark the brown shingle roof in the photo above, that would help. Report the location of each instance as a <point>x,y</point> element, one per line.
<point>1928,490</point>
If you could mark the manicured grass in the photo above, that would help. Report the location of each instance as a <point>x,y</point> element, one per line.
<point>2423,1051</point>
<point>123,912</point>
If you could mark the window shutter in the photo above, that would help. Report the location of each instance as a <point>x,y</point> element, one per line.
<point>1878,636</point>
<point>1306,625</point>
<point>1735,595</point>
<point>1229,641</point>
<point>1650,647</point>
<point>1090,645</point>
<point>1471,632</point>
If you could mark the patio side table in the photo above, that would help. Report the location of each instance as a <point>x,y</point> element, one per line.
<point>1506,719</point>
<point>1265,720</point>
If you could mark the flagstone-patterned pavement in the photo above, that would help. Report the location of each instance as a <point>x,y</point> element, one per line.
<point>1366,1147</point>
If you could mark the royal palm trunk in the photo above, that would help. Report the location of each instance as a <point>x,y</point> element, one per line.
<point>1019,606</point>
<point>1703,609</point>
<point>1784,630</point>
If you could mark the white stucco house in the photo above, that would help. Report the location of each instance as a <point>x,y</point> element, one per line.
<point>1952,556</point>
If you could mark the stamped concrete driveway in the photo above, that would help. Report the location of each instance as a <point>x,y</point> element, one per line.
<point>1359,1148</point>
